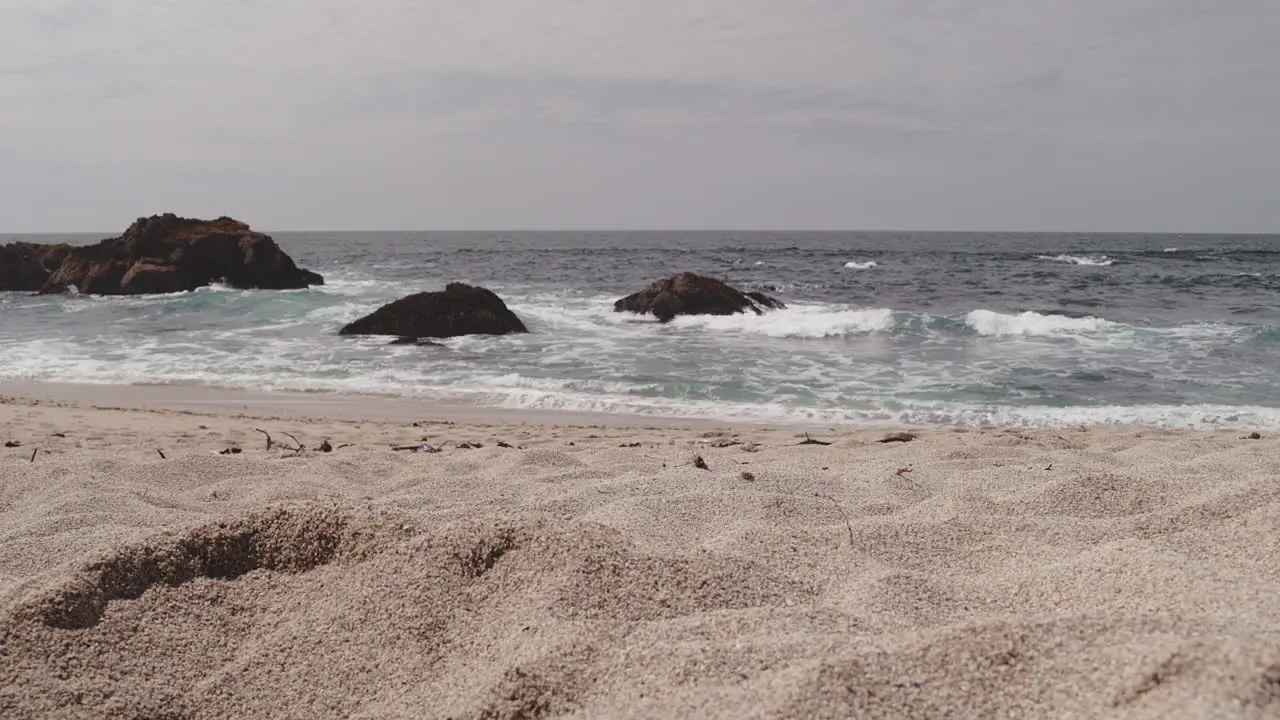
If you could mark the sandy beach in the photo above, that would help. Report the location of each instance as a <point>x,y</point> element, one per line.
<point>158,559</point>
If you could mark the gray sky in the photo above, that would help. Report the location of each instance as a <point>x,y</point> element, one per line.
<point>546,114</point>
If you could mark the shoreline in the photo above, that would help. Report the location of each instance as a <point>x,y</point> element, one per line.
<point>368,407</point>
<point>346,407</point>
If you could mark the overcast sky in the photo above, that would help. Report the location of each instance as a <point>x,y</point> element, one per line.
<point>651,114</point>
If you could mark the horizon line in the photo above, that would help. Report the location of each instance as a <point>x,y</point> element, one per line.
<point>744,231</point>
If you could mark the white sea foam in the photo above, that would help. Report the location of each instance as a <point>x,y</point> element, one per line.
<point>797,321</point>
<point>342,313</point>
<point>1190,417</point>
<point>987,322</point>
<point>1091,260</point>
<point>865,265</point>
<point>217,286</point>
<point>443,378</point>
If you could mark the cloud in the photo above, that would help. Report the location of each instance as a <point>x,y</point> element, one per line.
<point>971,103</point>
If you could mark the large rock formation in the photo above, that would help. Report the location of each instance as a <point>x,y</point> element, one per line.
<point>689,294</point>
<point>458,310</point>
<point>159,254</point>
<point>26,267</point>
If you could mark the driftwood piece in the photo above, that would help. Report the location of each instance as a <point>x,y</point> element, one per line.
<point>270,442</point>
<point>300,447</point>
<point>902,437</point>
<point>420,447</point>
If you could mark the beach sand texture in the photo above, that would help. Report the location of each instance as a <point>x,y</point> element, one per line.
<point>989,573</point>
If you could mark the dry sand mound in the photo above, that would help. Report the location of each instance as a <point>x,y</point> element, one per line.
<point>1109,573</point>
<point>329,610</point>
<point>335,610</point>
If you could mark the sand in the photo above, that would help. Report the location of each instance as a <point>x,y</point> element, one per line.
<point>594,572</point>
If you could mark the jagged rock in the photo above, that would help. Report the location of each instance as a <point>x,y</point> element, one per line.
<point>765,301</point>
<point>157,254</point>
<point>145,278</point>
<point>26,267</point>
<point>457,310</point>
<point>690,294</point>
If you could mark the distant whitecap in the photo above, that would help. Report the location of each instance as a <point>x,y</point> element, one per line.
<point>1093,260</point>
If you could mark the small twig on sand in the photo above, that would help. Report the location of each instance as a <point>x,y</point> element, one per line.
<point>161,452</point>
<point>904,470</point>
<point>269,441</point>
<point>420,447</point>
<point>848,525</point>
<point>33,454</point>
<point>810,441</point>
<point>902,437</point>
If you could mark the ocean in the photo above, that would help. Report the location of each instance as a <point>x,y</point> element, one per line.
<point>883,328</point>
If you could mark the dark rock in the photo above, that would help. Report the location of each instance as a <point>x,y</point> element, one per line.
<point>26,267</point>
<point>690,294</point>
<point>158,254</point>
<point>144,278</point>
<point>458,310</point>
<point>765,301</point>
